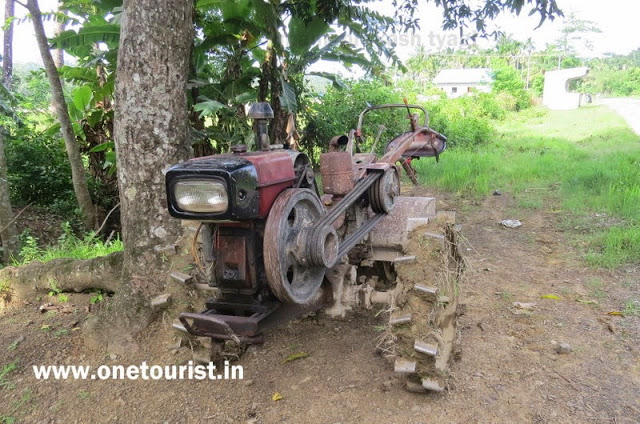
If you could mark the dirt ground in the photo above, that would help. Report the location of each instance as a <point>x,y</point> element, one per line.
<point>509,370</point>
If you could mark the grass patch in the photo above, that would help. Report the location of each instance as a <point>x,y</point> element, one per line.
<point>632,307</point>
<point>5,291</point>
<point>596,288</point>
<point>5,383</point>
<point>587,161</point>
<point>68,246</point>
<point>505,295</point>
<point>614,246</point>
<point>23,400</point>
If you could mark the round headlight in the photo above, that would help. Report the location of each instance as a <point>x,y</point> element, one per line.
<point>201,196</point>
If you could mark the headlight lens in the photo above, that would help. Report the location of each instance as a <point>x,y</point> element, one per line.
<point>201,196</point>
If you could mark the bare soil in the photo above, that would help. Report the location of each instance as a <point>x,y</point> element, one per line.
<point>509,370</point>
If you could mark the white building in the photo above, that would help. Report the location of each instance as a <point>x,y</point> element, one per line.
<point>556,94</point>
<point>460,82</point>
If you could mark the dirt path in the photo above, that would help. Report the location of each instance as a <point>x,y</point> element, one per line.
<point>628,108</point>
<point>509,370</point>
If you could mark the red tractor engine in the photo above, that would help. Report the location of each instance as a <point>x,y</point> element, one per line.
<point>276,248</point>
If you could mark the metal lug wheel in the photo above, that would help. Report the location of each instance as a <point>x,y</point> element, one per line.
<point>291,276</point>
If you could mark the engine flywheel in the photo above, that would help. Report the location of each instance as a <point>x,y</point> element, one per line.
<point>292,276</point>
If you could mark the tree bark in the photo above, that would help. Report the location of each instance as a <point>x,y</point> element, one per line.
<point>7,58</point>
<point>78,175</point>
<point>58,54</point>
<point>151,132</point>
<point>151,123</point>
<point>8,232</point>
<point>69,275</point>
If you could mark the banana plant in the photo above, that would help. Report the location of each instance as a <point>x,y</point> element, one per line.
<point>262,50</point>
<point>244,50</point>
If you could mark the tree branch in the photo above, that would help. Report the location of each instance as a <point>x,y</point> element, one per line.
<point>107,217</point>
<point>16,217</point>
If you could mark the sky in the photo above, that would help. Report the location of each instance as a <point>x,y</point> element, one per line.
<point>618,20</point>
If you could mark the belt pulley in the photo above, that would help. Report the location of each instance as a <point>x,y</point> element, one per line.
<point>300,242</point>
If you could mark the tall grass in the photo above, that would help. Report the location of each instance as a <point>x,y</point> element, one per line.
<point>587,161</point>
<point>68,246</point>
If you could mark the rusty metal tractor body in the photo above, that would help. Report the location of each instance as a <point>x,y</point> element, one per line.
<point>274,246</point>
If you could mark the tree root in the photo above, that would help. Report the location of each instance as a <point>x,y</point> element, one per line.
<point>68,275</point>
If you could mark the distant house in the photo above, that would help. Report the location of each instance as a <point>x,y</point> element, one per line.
<point>459,82</point>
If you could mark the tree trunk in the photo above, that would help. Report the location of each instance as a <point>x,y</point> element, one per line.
<point>8,232</point>
<point>151,132</point>
<point>78,176</point>
<point>69,275</point>
<point>7,58</point>
<point>151,123</point>
<point>58,54</point>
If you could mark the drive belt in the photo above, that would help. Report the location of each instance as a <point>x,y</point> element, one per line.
<point>349,200</point>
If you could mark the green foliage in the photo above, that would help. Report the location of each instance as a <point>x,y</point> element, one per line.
<point>4,288</point>
<point>337,113</point>
<point>508,80</point>
<point>632,307</point>
<point>25,398</point>
<point>461,14</point>
<point>87,35</point>
<point>611,81</point>
<point>33,92</point>
<point>465,120</point>
<point>614,247</point>
<point>61,332</point>
<point>68,246</point>
<point>537,84</point>
<point>303,35</point>
<point>39,171</point>
<point>55,290</point>
<point>96,298</point>
<point>5,383</point>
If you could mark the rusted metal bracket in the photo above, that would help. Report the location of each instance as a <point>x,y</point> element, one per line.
<point>228,321</point>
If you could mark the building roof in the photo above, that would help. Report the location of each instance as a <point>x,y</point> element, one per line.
<point>464,76</point>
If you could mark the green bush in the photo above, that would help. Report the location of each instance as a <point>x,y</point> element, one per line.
<point>336,112</point>
<point>614,82</point>
<point>460,121</point>
<point>465,120</point>
<point>537,84</point>
<point>507,101</point>
<point>38,171</point>
<point>508,80</point>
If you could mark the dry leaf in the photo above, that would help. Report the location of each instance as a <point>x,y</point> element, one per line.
<point>550,296</point>
<point>276,397</point>
<point>616,313</point>
<point>522,305</point>
<point>295,356</point>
